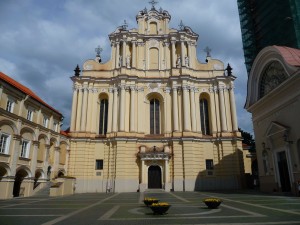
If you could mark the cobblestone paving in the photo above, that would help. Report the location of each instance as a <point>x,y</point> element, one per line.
<point>187,208</point>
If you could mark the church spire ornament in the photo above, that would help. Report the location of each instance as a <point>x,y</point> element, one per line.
<point>153,3</point>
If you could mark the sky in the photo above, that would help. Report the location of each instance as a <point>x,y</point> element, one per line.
<point>41,42</point>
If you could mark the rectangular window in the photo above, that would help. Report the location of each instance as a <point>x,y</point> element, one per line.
<point>10,106</point>
<point>99,164</point>
<point>209,164</point>
<point>29,115</point>
<point>45,122</point>
<point>4,143</point>
<point>25,149</point>
<point>55,126</point>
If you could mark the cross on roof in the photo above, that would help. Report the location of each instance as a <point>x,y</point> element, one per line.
<point>181,25</point>
<point>207,50</point>
<point>98,50</point>
<point>153,3</point>
<point>125,25</point>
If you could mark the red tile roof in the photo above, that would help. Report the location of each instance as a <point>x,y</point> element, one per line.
<point>290,55</point>
<point>25,90</point>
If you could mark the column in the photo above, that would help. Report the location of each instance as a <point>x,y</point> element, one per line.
<point>142,171</point>
<point>133,54</point>
<point>79,109</point>
<point>17,146</point>
<point>95,112</point>
<point>110,108</point>
<point>124,53</point>
<point>34,157</point>
<point>168,110</point>
<point>222,108</point>
<point>74,109</point>
<point>166,55</point>
<point>189,54</point>
<point>173,56</point>
<point>90,108</point>
<point>115,111</point>
<point>193,111</point>
<point>175,109</point>
<point>140,116</point>
<point>117,54</point>
<point>182,53</point>
<point>56,159</point>
<point>122,109</point>
<point>186,116</point>
<point>167,171</point>
<point>84,108</point>
<point>233,109</point>
<point>46,159</point>
<point>132,109</point>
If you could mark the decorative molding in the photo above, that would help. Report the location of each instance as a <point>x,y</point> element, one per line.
<point>153,86</point>
<point>167,90</point>
<point>153,43</point>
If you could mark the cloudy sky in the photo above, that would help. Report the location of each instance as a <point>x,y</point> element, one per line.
<point>41,42</point>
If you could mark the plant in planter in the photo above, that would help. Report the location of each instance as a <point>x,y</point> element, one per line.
<point>212,203</point>
<point>150,201</point>
<point>160,208</point>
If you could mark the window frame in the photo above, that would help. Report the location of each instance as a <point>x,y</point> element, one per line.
<point>154,112</point>
<point>10,105</point>
<point>24,153</point>
<point>4,149</point>
<point>29,115</point>
<point>99,164</point>
<point>103,116</point>
<point>46,121</point>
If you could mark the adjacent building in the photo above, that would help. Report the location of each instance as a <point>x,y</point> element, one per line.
<point>32,148</point>
<point>274,101</point>
<point>153,116</point>
<point>268,22</point>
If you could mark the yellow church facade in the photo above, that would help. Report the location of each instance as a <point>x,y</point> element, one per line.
<point>153,116</point>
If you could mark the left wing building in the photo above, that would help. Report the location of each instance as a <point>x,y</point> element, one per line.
<point>32,147</point>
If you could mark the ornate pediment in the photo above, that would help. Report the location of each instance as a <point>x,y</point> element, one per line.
<point>276,128</point>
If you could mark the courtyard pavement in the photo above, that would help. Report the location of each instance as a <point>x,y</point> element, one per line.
<point>187,208</point>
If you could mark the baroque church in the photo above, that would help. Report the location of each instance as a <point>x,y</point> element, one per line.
<point>153,116</point>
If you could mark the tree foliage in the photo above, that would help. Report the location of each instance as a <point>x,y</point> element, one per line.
<point>248,140</point>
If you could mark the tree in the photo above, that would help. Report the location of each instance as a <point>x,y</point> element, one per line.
<point>248,140</point>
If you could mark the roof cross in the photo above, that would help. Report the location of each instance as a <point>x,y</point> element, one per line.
<point>207,50</point>
<point>98,50</point>
<point>125,25</point>
<point>153,3</point>
<point>181,25</point>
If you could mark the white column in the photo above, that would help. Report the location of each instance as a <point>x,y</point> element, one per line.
<point>74,111</point>
<point>124,54</point>
<point>84,108</point>
<point>132,109</point>
<point>133,54</point>
<point>182,53</point>
<point>142,171</point>
<point>89,108</point>
<point>193,111</point>
<point>168,110</point>
<point>16,146</point>
<point>222,109</point>
<point>79,109</point>
<point>122,109</point>
<point>186,116</point>
<point>167,171</point>
<point>233,110</point>
<point>34,157</point>
<point>173,56</point>
<point>117,54</point>
<point>175,109</point>
<point>115,111</point>
<point>190,55</point>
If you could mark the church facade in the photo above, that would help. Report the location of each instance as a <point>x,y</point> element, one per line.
<point>153,116</point>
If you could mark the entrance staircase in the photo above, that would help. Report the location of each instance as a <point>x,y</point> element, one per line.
<point>45,191</point>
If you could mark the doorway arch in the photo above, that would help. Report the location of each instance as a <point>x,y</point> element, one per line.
<point>154,177</point>
<point>19,177</point>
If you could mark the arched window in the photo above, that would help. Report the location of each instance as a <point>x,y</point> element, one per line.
<point>103,116</point>
<point>204,116</point>
<point>154,116</point>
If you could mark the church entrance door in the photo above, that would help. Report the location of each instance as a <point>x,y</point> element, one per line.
<point>284,172</point>
<point>154,177</point>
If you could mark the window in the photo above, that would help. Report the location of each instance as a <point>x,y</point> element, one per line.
<point>204,116</point>
<point>45,122</point>
<point>29,115</point>
<point>154,116</point>
<point>4,143</point>
<point>25,149</point>
<point>209,167</point>
<point>10,105</point>
<point>55,126</point>
<point>103,116</point>
<point>99,164</point>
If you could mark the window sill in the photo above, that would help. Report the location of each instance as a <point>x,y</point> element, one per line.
<point>24,159</point>
<point>4,154</point>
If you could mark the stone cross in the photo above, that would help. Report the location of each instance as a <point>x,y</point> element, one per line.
<point>207,50</point>
<point>98,50</point>
<point>153,3</point>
